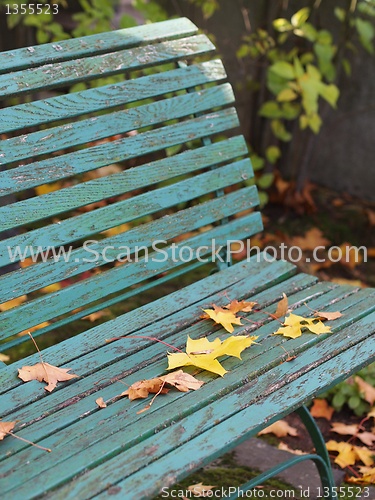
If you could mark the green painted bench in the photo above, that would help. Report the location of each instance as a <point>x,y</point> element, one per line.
<point>159,125</point>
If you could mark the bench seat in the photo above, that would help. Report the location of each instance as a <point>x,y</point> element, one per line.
<point>116,450</point>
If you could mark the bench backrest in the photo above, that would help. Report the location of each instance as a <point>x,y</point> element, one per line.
<point>150,106</point>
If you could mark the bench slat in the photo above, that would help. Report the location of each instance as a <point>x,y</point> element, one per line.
<point>78,162</point>
<point>72,105</point>
<point>29,57</point>
<point>82,70</point>
<point>120,122</point>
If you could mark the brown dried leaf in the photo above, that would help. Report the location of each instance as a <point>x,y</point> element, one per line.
<point>285,447</point>
<point>47,373</point>
<point>201,490</point>
<point>5,428</point>
<point>329,316</point>
<point>236,306</point>
<point>367,478</point>
<point>143,388</point>
<point>182,381</point>
<point>321,409</point>
<point>101,403</point>
<point>282,307</point>
<point>281,428</point>
<point>366,389</point>
<point>312,239</point>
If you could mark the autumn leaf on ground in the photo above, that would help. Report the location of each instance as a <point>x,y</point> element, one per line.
<point>294,324</point>
<point>367,478</point>
<point>371,413</point>
<point>203,353</point>
<point>367,438</point>
<point>311,239</point>
<point>101,403</point>
<point>321,409</point>
<point>285,447</point>
<point>4,357</point>
<point>281,428</point>
<point>6,428</point>
<point>236,306</point>
<point>366,389</point>
<point>33,329</point>
<point>282,307</point>
<point>223,317</point>
<point>201,490</point>
<point>13,303</point>
<point>47,373</point>
<point>96,315</point>
<point>350,454</point>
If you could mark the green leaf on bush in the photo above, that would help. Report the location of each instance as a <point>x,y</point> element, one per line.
<point>340,14</point>
<point>270,109</point>
<point>300,17</point>
<point>290,110</point>
<point>283,69</point>
<point>265,181</point>
<point>279,130</point>
<point>256,161</point>
<point>282,25</point>
<point>286,95</point>
<point>330,93</point>
<point>366,33</point>
<point>307,31</point>
<point>273,153</point>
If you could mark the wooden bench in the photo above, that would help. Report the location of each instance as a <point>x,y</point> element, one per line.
<point>172,176</point>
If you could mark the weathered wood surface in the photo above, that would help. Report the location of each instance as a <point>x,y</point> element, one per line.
<point>195,195</point>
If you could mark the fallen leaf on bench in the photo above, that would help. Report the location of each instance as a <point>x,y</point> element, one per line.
<point>329,316</point>
<point>350,454</point>
<point>281,428</point>
<point>367,478</point>
<point>321,409</point>
<point>101,403</point>
<point>179,379</point>
<point>182,381</point>
<point>223,317</point>
<point>367,438</point>
<point>366,389</point>
<point>5,428</point>
<point>210,350</point>
<point>294,324</point>
<point>200,490</point>
<point>282,307</point>
<point>47,373</point>
<point>236,306</point>
<point>143,388</point>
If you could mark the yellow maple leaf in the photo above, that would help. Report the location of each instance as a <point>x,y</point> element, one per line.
<point>202,353</point>
<point>224,317</point>
<point>294,324</point>
<point>368,476</point>
<point>350,454</point>
<point>281,428</point>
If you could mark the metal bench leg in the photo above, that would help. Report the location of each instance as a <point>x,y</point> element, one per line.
<point>320,458</point>
<point>324,466</point>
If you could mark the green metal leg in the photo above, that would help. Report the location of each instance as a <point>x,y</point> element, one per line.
<point>324,466</point>
<point>320,458</point>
